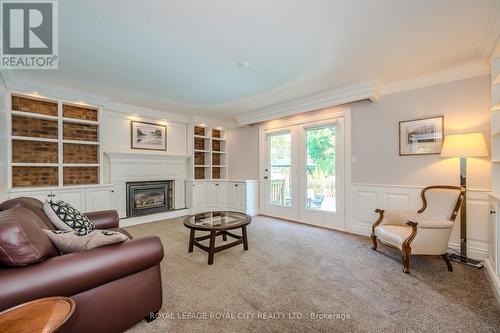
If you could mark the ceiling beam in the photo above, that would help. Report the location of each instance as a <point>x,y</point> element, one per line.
<point>367,90</point>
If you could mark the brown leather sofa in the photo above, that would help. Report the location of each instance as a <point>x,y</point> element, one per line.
<point>114,286</point>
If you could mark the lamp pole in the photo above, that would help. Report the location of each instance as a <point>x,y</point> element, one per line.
<point>463,221</point>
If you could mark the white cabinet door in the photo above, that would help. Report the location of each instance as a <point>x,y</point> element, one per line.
<point>199,195</point>
<point>179,193</point>
<point>212,194</point>
<point>233,196</point>
<point>119,200</point>
<point>40,195</point>
<point>75,198</point>
<point>222,195</point>
<point>242,197</point>
<point>493,241</point>
<point>98,199</point>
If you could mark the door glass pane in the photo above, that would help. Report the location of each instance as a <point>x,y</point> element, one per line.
<point>280,155</point>
<point>320,169</point>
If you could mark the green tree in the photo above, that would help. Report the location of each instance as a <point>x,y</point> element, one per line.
<point>321,149</point>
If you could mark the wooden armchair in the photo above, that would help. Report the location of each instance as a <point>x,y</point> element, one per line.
<point>426,232</point>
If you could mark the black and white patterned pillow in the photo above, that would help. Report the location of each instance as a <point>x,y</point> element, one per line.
<point>66,217</point>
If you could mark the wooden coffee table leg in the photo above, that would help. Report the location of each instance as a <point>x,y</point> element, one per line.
<point>191,238</point>
<point>245,240</point>
<point>211,249</point>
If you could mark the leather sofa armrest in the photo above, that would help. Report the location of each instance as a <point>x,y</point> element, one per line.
<point>73,273</point>
<point>104,219</point>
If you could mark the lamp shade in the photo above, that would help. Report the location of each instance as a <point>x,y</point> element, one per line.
<point>464,145</point>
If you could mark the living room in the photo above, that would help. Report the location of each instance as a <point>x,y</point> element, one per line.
<point>297,166</point>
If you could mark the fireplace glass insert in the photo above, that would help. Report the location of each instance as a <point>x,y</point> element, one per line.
<point>150,197</point>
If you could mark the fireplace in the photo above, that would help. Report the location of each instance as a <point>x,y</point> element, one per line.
<point>149,197</point>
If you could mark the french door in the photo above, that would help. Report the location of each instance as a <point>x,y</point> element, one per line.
<point>304,172</point>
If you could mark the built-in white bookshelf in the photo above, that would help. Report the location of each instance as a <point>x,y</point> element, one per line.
<point>52,142</point>
<point>209,155</point>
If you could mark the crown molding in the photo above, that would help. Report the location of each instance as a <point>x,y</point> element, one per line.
<point>214,122</point>
<point>50,91</point>
<point>491,33</point>
<point>367,90</point>
<point>462,72</point>
<point>134,110</point>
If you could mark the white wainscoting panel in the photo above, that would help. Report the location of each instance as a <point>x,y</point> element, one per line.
<point>366,198</point>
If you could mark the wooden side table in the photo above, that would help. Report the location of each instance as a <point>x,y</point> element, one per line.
<point>42,315</point>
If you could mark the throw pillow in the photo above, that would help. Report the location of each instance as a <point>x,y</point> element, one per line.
<point>70,241</point>
<point>22,241</point>
<point>65,217</point>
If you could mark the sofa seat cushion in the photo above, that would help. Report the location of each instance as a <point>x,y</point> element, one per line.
<point>70,241</point>
<point>66,217</point>
<point>22,241</point>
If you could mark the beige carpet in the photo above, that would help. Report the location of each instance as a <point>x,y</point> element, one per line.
<point>293,268</point>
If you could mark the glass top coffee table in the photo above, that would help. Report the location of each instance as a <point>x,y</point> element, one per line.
<point>218,224</point>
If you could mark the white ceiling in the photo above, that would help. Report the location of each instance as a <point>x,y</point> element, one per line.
<point>182,55</point>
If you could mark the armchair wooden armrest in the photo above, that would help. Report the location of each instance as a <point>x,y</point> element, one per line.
<point>380,218</point>
<point>374,225</point>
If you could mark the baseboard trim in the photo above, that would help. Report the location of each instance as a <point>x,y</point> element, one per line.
<point>493,278</point>
<point>153,218</point>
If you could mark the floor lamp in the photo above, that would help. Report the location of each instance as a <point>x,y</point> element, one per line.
<point>464,146</point>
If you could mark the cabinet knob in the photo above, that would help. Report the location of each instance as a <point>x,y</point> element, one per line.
<point>492,211</point>
<point>112,191</point>
<point>193,185</point>
<point>216,184</point>
<point>235,184</point>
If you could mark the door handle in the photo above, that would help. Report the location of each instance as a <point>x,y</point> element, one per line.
<point>492,211</point>
<point>266,177</point>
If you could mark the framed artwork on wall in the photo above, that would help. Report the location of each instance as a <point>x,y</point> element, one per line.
<point>422,136</point>
<point>148,136</point>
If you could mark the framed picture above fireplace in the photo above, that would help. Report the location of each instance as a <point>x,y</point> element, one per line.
<point>148,136</point>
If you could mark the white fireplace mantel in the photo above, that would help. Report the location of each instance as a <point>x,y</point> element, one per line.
<point>123,167</point>
<point>120,156</point>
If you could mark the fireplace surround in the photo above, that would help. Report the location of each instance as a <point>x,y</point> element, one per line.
<point>149,197</point>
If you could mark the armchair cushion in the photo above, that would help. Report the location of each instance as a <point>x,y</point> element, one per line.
<point>393,235</point>
<point>427,240</point>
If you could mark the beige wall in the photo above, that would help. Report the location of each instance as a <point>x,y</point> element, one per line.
<point>243,152</point>
<point>465,105</point>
